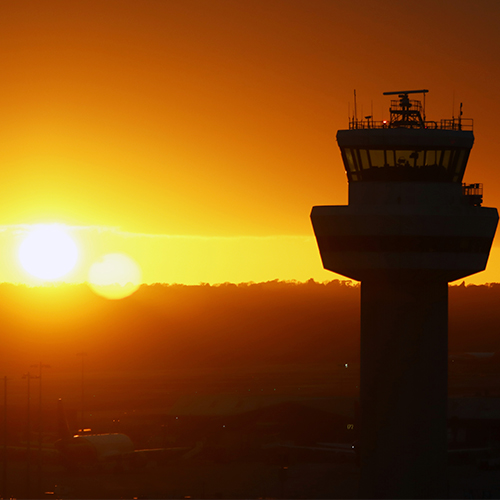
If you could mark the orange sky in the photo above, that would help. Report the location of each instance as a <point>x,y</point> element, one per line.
<point>217,119</point>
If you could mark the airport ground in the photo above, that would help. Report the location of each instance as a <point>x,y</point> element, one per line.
<point>176,409</point>
<point>196,479</point>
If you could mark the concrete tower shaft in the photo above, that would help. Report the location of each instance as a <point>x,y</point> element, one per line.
<point>411,226</point>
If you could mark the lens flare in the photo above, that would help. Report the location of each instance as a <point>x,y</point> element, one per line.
<point>115,276</point>
<point>48,252</point>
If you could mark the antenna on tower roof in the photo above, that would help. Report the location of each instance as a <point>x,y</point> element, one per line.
<point>355,109</point>
<point>424,91</point>
<point>406,112</point>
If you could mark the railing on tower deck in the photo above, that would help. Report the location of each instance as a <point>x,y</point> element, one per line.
<point>448,124</point>
<point>473,193</point>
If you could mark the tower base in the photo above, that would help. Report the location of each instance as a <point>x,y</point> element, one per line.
<point>404,360</point>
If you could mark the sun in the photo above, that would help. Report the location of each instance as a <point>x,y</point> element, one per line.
<point>115,276</point>
<point>48,252</point>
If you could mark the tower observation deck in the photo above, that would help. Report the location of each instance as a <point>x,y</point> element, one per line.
<point>411,226</point>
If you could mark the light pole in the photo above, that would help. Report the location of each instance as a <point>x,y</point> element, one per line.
<point>28,376</point>
<point>4,471</point>
<point>39,458</point>
<point>82,354</point>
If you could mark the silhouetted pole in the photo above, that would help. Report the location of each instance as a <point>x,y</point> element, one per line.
<point>82,354</point>
<point>28,451</point>
<point>39,458</point>
<point>28,376</point>
<point>4,475</point>
<point>28,464</point>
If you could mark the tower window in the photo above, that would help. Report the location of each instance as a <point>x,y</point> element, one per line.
<point>364,161</point>
<point>429,165</point>
<point>349,160</point>
<point>377,157</point>
<point>445,160</point>
<point>432,157</point>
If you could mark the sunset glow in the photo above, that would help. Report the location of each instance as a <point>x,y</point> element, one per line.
<point>115,116</point>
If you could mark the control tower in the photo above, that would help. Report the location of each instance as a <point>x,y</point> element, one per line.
<point>411,226</point>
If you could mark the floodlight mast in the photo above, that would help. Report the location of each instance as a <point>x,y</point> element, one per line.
<point>411,227</point>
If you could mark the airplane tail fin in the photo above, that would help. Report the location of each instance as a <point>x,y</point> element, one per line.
<point>62,424</point>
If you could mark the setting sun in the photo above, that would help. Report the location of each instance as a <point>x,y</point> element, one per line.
<point>115,276</point>
<point>48,252</point>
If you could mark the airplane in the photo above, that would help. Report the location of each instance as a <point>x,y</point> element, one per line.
<point>80,450</point>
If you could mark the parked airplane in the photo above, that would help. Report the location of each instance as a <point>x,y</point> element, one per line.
<point>113,448</point>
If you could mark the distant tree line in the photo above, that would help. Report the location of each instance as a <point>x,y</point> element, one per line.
<point>230,325</point>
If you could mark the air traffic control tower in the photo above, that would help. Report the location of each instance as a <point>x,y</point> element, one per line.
<point>411,227</point>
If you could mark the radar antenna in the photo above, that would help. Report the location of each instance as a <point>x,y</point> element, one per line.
<point>406,113</point>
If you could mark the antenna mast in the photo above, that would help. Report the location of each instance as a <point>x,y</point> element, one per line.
<point>355,109</point>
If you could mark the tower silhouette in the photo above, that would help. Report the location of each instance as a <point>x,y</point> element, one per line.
<point>411,226</point>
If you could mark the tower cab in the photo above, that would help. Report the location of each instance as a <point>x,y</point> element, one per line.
<point>408,207</point>
<point>408,148</point>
